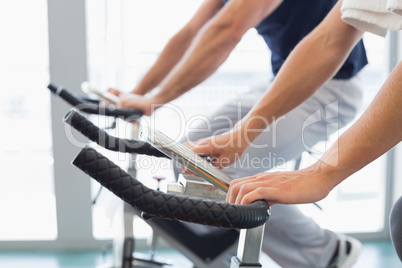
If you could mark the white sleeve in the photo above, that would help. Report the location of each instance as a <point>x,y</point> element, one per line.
<point>395,6</point>
<point>375,16</point>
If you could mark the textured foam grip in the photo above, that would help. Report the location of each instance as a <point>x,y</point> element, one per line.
<point>70,97</point>
<point>92,107</point>
<point>78,121</point>
<point>168,206</point>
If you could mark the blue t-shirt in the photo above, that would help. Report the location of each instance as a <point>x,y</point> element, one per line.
<point>293,20</point>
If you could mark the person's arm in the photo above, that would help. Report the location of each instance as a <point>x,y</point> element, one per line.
<point>170,55</point>
<point>375,132</point>
<point>208,50</point>
<point>176,47</point>
<point>313,61</point>
<point>213,45</point>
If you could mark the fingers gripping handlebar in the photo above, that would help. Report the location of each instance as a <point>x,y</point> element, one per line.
<point>168,206</point>
<point>92,106</point>
<point>75,119</point>
<point>152,203</point>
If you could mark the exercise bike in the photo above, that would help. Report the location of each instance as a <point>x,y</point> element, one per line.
<point>167,213</point>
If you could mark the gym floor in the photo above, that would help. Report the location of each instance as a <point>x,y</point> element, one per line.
<point>376,254</point>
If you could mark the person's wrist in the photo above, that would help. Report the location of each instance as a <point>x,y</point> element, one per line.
<point>244,135</point>
<point>240,140</point>
<point>136,102</point>
<point>330,175</point>
<point>138,91</point>
<point>147,106</point>
<point>249,128</point>
<point>153,102</point>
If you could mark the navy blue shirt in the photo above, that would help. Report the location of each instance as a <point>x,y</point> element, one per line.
<point>293,20</point>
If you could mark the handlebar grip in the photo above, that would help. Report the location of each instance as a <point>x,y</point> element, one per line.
<point>168,206</point>
<point>78,121</point>
<point>92,107</point>
<point>70,97</point>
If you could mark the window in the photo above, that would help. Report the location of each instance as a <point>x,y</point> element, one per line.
<point>26,184</point>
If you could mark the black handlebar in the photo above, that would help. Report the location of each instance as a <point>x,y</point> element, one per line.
<point>78,121</point>
<point>168,206</point>
<point>92,106</point>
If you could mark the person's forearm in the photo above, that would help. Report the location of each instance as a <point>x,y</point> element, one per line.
<point>210,49</point>
<point>314,61</point>
<point>212,46</point>
<point>177,47</point>
<point>169,57</point>
<point>376,132</point>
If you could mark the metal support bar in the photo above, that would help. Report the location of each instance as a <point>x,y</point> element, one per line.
<point>248,252</point>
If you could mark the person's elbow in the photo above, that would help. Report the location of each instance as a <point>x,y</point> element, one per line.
<point>228,30</point>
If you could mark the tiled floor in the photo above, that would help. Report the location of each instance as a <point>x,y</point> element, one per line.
<point>379,254</point>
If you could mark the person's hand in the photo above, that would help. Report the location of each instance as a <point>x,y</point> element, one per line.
<point>133,101</point>
<point>292,187</point>
<point>223,149</point>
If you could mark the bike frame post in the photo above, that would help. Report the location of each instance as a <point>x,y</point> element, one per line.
<point>249,248</point>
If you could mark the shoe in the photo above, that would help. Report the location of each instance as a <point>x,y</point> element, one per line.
<point>346,253</point>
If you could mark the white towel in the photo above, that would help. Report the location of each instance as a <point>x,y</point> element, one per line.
<point>371,15</point>
<point>395,6</point>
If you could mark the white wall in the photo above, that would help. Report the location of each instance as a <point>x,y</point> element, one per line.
<point>68,67</point>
